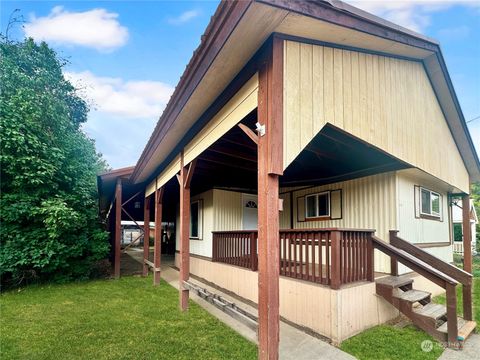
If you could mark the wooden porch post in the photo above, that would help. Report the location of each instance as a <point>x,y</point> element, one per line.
<point>146,234</point>
<point>467,256</point>
<point>118,227</point>
<point>270,166</point>
<point>467,234</point>
<point>184,179</point>
<point>157,248</point>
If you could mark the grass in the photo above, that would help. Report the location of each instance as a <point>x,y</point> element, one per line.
<point>112,319</point>
<point>388,342</point>
<point>475,295</point>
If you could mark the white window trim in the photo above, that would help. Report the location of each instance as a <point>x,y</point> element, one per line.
<point>436,215</point>
<point>317,195</point>
<point>200,220</point>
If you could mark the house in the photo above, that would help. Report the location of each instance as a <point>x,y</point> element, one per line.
<point>309,151</point>
<point>457,227</point>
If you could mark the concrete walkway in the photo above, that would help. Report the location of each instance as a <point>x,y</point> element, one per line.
<point>471,350</point>
<point>294,344</point>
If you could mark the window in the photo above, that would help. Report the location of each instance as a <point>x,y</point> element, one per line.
<point>317,205</point>
<point>195,218</point>
<point>429,203</point>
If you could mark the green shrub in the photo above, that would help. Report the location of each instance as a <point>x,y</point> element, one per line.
<point>48,207</point>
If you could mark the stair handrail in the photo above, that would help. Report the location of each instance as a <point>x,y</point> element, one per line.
<point>434,275</point>
<point>460,275</point>
<point>413,263</point>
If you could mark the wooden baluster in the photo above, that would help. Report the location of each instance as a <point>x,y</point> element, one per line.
<point>451,315</point>
<point>393,261</point>
<point>467,301</point>
<point>370,259</point>
<point>336,270</point>
<point>290,254</point>
<point>295,254</point>
<point>307,257</point>
<point>320,256</point>
<point>314,243</point>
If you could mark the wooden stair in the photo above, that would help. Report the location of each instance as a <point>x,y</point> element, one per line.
<point>417,306</point>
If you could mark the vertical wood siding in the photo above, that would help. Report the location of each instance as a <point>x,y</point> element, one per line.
<point>227,210</point>
<point>385,101</point>
<point>201,246</point>
<point>420,230</point>
<point>367,203</point>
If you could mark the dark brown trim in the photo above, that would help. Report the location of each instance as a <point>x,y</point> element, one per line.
<point>344,15</point>
<point>222,25</point>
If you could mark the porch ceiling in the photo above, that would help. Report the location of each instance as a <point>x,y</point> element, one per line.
<point>332,156</point>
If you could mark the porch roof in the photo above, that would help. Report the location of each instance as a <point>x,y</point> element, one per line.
<point>236,32</point>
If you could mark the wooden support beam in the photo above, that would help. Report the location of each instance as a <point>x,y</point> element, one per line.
<point>467,234</point>
<point>118,227</point>
<point>249,132</point>
<point>132,218</point>
<point>157,247</point>
<point>467,256</point>
<point>184,179</point>
<point>146,233</point>
<point>131,198</point>
<point>270,166</point>
<point>191,169</point>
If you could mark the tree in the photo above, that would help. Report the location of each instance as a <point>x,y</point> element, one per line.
<point>49,223</point>
<point>475,196</point>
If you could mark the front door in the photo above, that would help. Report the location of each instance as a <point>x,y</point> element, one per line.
<point>250,212</point>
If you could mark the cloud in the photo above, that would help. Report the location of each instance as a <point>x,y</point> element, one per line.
<point>455,33</point>
<point>412,14</point>
<point>97,28</point>
<point>116,97</point>
<point>184,17</point>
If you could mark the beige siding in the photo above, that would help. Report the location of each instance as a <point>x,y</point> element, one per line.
<point>421,230</point>
<point>331,313</point>
<point>368,203</point>
<point>244,101</point>
<point>228,210</point>
<point>203,245</point>
<point>385,101</point>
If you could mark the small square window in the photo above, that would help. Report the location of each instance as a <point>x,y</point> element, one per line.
<point>317,205</point>
<point>430,203</point>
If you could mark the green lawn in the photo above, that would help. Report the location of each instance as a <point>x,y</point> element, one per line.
<point>388,342</point>
<point>108,319</point>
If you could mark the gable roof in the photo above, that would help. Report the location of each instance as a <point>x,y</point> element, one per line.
<point>239,28</point>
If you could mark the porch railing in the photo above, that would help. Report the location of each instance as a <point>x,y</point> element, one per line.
<point>326,256</point>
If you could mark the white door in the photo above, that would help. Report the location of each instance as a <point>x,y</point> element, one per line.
<point>250,212</point>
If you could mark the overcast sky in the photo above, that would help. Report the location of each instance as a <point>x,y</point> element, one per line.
<point>127,56</point>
